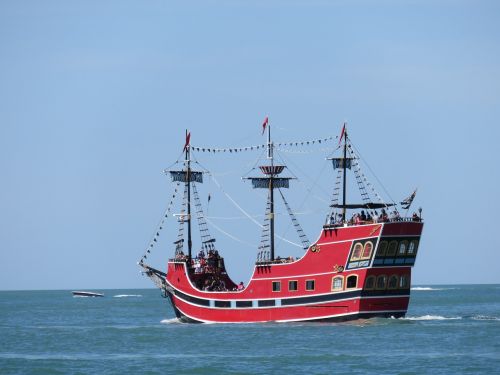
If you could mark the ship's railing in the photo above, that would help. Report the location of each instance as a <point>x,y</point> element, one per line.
<point>368,222</point>
<point>276,261</point>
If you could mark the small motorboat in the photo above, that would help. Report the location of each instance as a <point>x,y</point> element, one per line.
<point>86,294</point>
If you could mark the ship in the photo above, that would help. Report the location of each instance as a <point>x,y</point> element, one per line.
<point>359,267</point>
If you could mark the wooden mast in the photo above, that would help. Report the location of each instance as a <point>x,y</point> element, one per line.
<point>344,185</point>
<point>188,186</point>
<point>271,190</point>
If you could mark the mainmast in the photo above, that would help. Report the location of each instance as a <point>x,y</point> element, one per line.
<point>271,191</point>
<point>271,181</point>
<point>188,187</point>
<point>344,180</point>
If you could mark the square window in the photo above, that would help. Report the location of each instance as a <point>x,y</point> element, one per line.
<point>276,286</point>
<point>309,284</point>
<point>293,285</point>
<point>338,283</point>
<point>352,282</point>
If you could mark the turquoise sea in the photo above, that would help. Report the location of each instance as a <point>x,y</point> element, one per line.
<point>449,330</point>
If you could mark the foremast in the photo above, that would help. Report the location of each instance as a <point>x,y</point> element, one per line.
<point>187,176</point>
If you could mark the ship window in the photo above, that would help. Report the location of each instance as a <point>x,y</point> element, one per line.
<point>293,285</point>
<point>404,282</point>
<point>412,247</point>
<point>367,252</point>
<point>338,283</point>
<point>382,248</point>
<point>391,250</point>
<point>309,284</point>
<point>356,253</point>
<point>393,282</point>
<point>276,286</point>
<point>402,248</point>
<point>352,282</point>
<point>381,282</point>
<point>370,282</point>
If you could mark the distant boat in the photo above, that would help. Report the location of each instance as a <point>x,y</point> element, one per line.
<point>87,294</point>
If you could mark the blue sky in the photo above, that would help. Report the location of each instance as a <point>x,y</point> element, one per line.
<point>95,98</point>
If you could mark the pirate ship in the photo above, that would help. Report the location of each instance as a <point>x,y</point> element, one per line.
<point>359,267</point>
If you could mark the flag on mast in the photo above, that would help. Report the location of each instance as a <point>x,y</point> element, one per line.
<point>342,133</point>
<point>188,138</point>
<point>406,203</point>
<point>264,124</point>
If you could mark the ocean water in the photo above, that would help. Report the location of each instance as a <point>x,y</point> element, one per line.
<point>448,330</point>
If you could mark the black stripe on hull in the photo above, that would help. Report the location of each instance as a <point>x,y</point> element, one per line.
<point>226,304</point>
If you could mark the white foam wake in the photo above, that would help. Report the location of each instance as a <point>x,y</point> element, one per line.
<point>485,317</point>
<point>127,295</point>
<point>425,288</point>
<point>431,317</point>
<point>170,321</point>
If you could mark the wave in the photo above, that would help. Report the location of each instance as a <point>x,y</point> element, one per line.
<point>430,317</point>
<point>127,295</point>
<point>425,288</point>
<point>485,317</point>
<point>170,321</point>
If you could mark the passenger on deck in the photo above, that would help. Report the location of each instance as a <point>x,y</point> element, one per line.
<point>384,216</point>
<point>201,254</point>
<point>375,217</point>
<point>415,217</point>
<point>395,215</point>
<point>197,266</point>
<point>241,286</point>
<point>357,219</point>
<point>363,216</point>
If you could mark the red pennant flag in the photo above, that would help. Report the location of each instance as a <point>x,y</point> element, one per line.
<point>264,124</point>
<point>188,138</point>
<point>342,133</point>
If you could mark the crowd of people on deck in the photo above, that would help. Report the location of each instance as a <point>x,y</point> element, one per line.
<point>368,218</point>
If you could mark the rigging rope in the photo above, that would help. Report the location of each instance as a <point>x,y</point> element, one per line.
<point>228,234</point>
<point>247,214</point>
<point>302,236</point>
<point>159,226</point>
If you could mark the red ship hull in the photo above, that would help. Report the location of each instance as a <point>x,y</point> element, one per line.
<point>351,272</point>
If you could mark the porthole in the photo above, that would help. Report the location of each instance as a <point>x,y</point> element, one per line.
<point>391,250</point>
<point>356,253</point>
<point>309,284</point>
<point>404,282</point>
<point>402,248</point>
<point>352,282</point>
<point>381,282</point>
<point>338,283</point>
<point>293,285</point>
<point>367,251</point>
<point>382,248</point>
<point>370,282</point>
<point>393,282</point>
<point>276,286</point>
<point>412,247</point>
